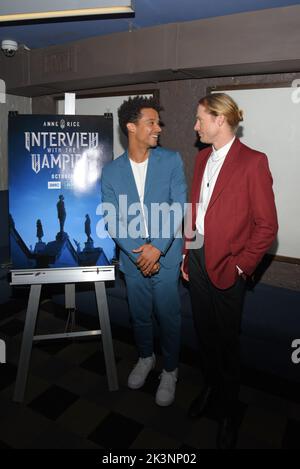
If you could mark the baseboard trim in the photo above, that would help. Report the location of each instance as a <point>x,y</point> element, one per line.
<point>289,260</point>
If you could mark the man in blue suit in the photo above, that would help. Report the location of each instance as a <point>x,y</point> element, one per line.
<point>144,192</point>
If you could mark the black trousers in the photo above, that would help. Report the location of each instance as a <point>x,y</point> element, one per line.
<point>217,318</point>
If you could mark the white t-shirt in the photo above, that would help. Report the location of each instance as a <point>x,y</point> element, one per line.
<point>139,172</point>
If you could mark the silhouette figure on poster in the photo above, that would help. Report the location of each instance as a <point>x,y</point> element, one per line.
<point>61,212</point>
<point>39,230</point>
<point>87,227</point>
<point>39,246</point>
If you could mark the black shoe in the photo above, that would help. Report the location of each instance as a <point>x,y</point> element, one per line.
<point>227,433</point>
<point>201,403</point>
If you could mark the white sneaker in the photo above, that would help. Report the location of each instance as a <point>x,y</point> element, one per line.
<point>138,376</point>
<point>165,394</point>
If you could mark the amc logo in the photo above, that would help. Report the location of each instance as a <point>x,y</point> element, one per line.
<point>2,351</point>
<point>296,353</point>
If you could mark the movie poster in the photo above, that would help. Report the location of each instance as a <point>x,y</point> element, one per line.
<point>55,165</point>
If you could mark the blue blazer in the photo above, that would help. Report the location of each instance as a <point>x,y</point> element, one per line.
<point>165,184</point>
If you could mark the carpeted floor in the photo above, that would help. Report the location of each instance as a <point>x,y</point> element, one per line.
<point>68,404</point>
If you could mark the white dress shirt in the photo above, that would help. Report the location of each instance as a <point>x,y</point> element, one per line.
<point>210,176</point>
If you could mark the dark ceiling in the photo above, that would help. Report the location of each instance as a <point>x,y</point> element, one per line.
<point>147,13</point>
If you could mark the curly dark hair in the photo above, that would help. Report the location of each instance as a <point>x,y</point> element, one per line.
<point>130,110</point>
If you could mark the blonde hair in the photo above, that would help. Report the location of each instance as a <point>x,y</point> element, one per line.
<point>219,104</point>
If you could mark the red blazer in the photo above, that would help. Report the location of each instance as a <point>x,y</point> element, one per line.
<point>240,222</point>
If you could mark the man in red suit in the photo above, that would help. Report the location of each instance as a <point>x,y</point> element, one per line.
<point>234,221</point>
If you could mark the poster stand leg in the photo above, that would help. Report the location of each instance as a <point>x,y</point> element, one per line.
<point>70,295</point>
<point>106,336</point>
<point>70,303</point>
<point>29,337</point>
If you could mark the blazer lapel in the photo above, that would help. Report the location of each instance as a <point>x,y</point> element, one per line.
<point>199,176</point>
<point>196,188</point>
<point>227,170</point>
<point>128,177</point>
<point>152,170</point>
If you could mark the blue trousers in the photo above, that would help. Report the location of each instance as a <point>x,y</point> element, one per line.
<point>156,295</point>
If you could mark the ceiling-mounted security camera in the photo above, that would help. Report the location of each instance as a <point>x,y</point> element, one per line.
<point>9,47</point>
